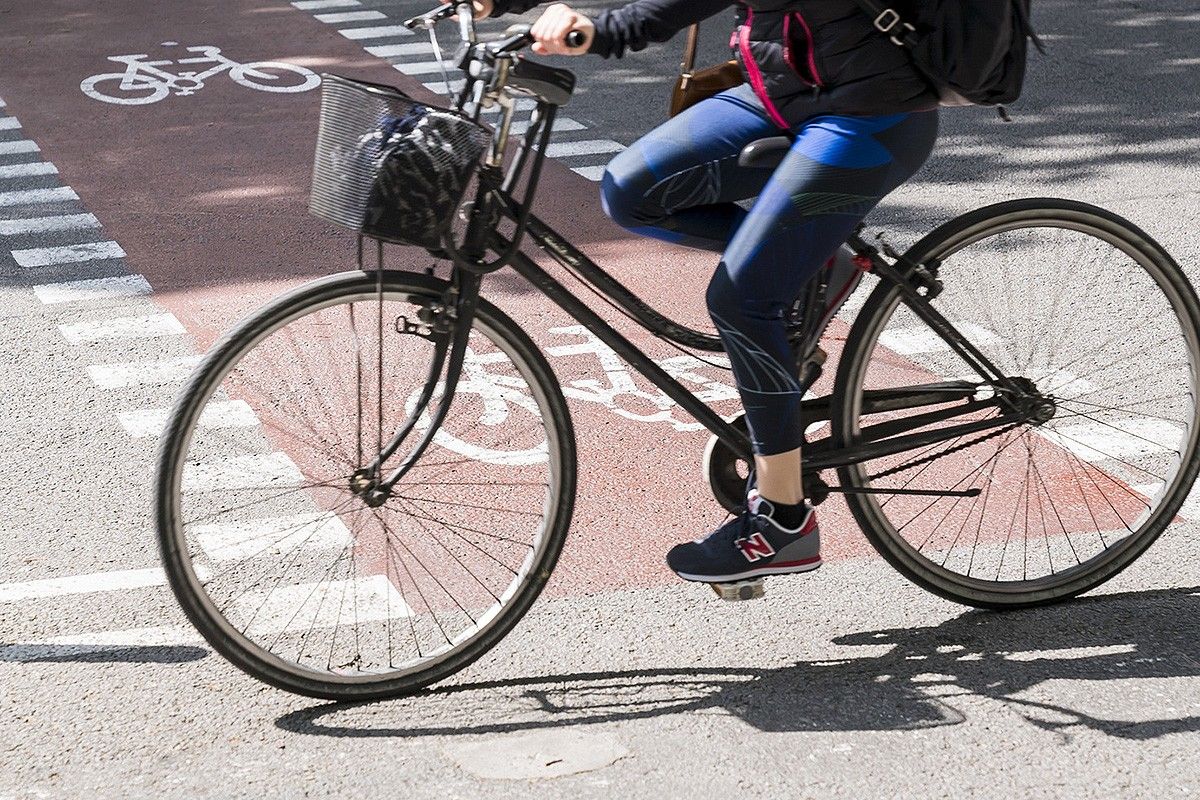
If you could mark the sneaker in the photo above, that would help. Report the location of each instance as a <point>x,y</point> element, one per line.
<point>749,546</point>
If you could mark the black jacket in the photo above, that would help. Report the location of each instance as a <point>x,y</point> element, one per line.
<point>802,57</point>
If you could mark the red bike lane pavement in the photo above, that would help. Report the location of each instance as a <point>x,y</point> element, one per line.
<point>207,194</point>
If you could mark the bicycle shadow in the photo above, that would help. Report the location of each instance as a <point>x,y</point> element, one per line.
<point>913,685</point>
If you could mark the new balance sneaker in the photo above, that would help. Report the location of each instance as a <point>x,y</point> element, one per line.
<point>750,545</point>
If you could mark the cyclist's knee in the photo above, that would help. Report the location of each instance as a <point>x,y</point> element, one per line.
<point>621,201</point>
<point>723,299</point>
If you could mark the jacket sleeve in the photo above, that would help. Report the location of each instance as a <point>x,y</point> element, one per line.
<point>635,24</point>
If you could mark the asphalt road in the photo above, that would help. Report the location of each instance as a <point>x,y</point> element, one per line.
<point>186,213</point>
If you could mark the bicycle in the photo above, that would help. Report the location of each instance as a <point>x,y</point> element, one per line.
<point>143,82</point>
<point>992,426</point>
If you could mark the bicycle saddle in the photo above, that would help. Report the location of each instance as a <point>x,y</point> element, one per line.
<point>765,153</point>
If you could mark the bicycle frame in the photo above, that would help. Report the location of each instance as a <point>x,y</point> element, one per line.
<point>495,200</point>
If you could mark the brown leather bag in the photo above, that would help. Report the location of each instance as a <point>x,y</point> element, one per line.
<point>694,85</point>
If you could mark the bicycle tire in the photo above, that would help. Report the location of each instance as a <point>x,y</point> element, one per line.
<point>177,554</point>
<point>943,242</point>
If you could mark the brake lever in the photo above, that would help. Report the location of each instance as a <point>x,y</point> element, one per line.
<point>518,37</point>
<point>429,18</point>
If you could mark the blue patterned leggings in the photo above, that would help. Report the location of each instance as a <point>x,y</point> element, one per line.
<point>679,182</point>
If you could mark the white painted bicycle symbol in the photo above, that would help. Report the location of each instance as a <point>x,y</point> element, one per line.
<point>144,82</point>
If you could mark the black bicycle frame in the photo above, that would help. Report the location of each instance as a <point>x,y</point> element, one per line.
<point>917,284</point>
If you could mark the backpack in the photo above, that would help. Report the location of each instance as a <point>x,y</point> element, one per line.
<point>973,51</point>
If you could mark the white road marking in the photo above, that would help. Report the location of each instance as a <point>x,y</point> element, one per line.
<point>440,86</point>
<point>350,16</point>
<point>100,288</point>
<point>591,173</point>
<point>376,32</point>
<point>1191,505</point>
<point>2,103</point>
<point>9,124</point>
<point>305,606</point>
<point>113,581</point>
<point>312,5</point>
<point>144,327</point>
<point>142,373</point>
<point>274,535</point>
<point>920,339</point>
<point>422,67</point>
<point>584,148</point>
<point>26,170</point>
<point>1119,439</point>
<point>242,472</point>
<point>69,254</point>
<point>31,196</point>
<point>67,222</point>
<point>60,647</point>
<point>151,421</point>
<point>394,50</point>
<point>20,146</point>
<point>560,124</point>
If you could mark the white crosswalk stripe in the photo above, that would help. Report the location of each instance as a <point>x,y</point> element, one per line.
<point>227,414</point>
<point>377,32</point>
<point>144,327</point>
<point>350,16</point>
<point>9,124</point>
<point>66,222</point>
<point>28,170</point>
<point>142,373</point>
<point>17,147</point>
<point>68,254</point>
<point>312,5</point>
<point>28,197</point>
<point>96,289</point>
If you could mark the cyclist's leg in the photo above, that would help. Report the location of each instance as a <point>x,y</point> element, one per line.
<point>837,171</point>
<point>678,182</point>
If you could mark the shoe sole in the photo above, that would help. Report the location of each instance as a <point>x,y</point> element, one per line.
<point>808,565</point>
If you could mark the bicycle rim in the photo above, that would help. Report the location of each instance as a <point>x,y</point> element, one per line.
<point>287,570</point>
<point>1091,311</point>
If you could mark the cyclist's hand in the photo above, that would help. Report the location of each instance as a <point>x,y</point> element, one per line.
<point>551,29</point>
<point>483,8</point>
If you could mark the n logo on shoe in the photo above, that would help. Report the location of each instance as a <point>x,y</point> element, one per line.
<point>755,547</point>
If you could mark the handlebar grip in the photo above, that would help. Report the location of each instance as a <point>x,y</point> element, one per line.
<point>576,39</point>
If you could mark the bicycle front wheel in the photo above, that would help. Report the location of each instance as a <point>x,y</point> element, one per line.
<point>280,559</point>
<point>1082,305</point>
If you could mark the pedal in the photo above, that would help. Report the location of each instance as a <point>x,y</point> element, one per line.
<point>739,590</point>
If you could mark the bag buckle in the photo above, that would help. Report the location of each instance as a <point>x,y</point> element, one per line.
<point>889,20</point>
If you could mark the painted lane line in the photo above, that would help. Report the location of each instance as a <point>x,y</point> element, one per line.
<point>114,581</point>
<point>145,327</point>
<point>151,421</point>
<point>378,32</point>
<point>585,148</point>
<point>1191,505</point>
<point>350,16</point>
<point>591,173</point>
<point>421,67</point>
<point>1119,439</point>
<point>273,535</point>
<point>242,472</point>
<point>98,289</point>
<point>920,339</point>
<point>27,170</point>
<point>66,222</point>
<point>20,146</point>
<point>143,373</point>
<point>394,50</point>
<point>561,124</point>
<point>305,606</point>
<point>9,124</point>
<point>63,647</point>
<point>32,196</point>
<point>312,5</point>
<point>69,254</point>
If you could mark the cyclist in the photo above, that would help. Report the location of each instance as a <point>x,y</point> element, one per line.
<point>863,120</point>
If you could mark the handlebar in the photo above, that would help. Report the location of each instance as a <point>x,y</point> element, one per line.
<point>518,35</point>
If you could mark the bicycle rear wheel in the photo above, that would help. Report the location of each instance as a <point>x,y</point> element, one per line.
<point>273,549</point>
<point>1096,315</point>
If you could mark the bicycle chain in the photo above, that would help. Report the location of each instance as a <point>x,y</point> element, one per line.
<point>927,459</point>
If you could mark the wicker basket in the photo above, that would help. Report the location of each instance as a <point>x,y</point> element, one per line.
<point>388,166</point>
